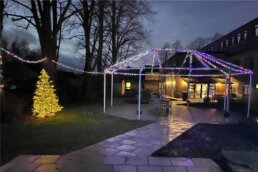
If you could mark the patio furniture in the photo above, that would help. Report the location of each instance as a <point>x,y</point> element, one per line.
<point>165,105</point>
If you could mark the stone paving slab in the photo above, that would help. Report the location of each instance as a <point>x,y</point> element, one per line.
<point>47,159</point>
<point>198,169</point>
<point>160,161</point>
<point>23,167</point>
<point>201,162</point>
<point>123,153</point>
<point>137,160</point>
<point>49,168</point>
<point>185,162</point>
<point>149,169</point>
<point>114,160</point>
<point>124,168</point>
<point>174,169</point>
<point>25,158</point>
<point>86,168</point>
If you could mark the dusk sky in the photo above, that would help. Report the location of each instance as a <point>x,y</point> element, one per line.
<point>190,19</point>
<point>174,20</point>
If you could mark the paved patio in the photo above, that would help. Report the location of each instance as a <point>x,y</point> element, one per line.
<point>130,152</point>
<point>151,112</point>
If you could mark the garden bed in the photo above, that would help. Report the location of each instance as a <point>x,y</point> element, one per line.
<point>208,141</point>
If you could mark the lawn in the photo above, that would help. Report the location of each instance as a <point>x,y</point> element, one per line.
<point>71,129</point>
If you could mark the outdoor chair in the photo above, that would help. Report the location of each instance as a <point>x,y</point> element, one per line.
<point>165,105</point>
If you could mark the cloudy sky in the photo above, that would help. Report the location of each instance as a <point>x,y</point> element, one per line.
<point>186,20</point>
<point>174,20</point>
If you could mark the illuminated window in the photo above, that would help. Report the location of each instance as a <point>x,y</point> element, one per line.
<point>256,86</point>
<point>233,40</point>
<point>226,42</point>
<point>128,85</point>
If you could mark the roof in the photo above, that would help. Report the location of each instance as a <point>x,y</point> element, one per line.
<point>182,62</point>
<point>248,43</point>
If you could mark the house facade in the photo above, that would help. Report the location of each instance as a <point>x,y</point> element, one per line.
<point>240,47</point>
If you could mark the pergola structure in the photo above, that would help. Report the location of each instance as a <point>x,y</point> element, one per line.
<point>194,64</point>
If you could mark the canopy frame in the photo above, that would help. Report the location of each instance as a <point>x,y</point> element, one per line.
<point>151,60</point>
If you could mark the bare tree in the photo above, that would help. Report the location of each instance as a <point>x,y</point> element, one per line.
<point>198,43</point>
<point>47,18</point>
<point>177,44</point>
<point>126,28</point>
<point>101,13</point>
<point>1,19</point>
<point>90,26</point>
<point>201,42</point>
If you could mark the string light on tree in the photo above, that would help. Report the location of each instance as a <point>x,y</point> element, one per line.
<point>45,101</point>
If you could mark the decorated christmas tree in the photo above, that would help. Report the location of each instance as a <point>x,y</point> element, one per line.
<point>45,101</point>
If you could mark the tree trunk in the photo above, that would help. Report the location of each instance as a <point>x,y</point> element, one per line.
<point>87,22</point>
<point>1,20</point>
<point>100,32</point>
<point>114,32</point>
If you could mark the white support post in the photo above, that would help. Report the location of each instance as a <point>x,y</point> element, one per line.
<point>139,94</point>
<point>249,95</point>
<point>188,85</point>
<point>225,94</point>
<point>228,96</point>
<point>104,93</point>
<point>188,90</point>
<point>112,89</point>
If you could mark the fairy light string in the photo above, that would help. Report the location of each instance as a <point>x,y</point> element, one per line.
<point>121,68</point>
<point>23,60</point>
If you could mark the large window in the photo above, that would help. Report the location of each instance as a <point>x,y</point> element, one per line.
<point>238,38</point>
<point>246,90</point>
<point>245,34</point>
<point>233,40</point>
<point>227,43</point>
<point>256,30</point>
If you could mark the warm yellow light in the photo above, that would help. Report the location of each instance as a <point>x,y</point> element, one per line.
<point>218,84</point>
<point>128,85</point>
<point>256,86</point>
<point>45,101</point>
<point>170,82</point>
